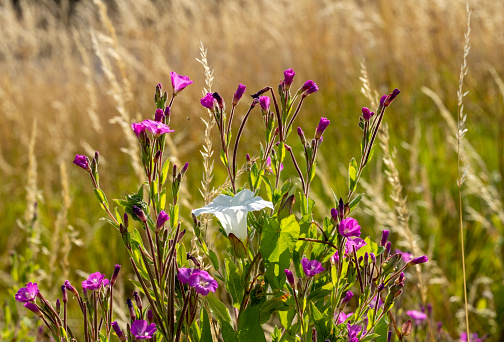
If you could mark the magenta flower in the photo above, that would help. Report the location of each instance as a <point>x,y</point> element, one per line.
<point>27,293</point>
<point>418,316</point>
<point>179,82</point>
<point>343,317</point>
<point>290,277</point>
<point>308,88</point>
<point>208,101</point>
<point>95,281</point>
<point>238,94</point>
<point>157,128</point>
<point>323,123</point>
<point>82,162</point>
<point>357,242</point>
<point>366,113</point>
<point>203,282</point>
<point>264,102</point>
<point>288,78</point>
<point>184,274</point>
<point>474,337</point>
<point>162,218</point>
<point>311,267</point>
<point>353,331</point>
<point>349,227</point>
<point>142,330</point>
<point>138,128</point>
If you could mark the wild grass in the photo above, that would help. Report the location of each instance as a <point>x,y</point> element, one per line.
<point>66,70</point>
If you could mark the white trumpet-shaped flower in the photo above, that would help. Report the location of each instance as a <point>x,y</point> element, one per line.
<point>232,211</point>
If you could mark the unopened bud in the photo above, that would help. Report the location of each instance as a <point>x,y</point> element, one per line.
<point>58,306</point>
<point>138,300</point>
<point>139,213</point>
<point>117,268</point>
<point>290,278</point>
<point>65,295</point>
<point>131,309</point>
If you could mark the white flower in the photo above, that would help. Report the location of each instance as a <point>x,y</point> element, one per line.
<point>232,211</point>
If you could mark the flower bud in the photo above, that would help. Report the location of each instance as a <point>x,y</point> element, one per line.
<point>321,128</point>
<point>159,89</point>
<point>58,306</point>
<point>366,113</point>
<point>301,135</point>
<point>219,100</point>
<point>290,278</point>
<point>115,274</point>
<point>82,162</point>
<point>131,309</point>
<point>65,295</point>
<point>139,213</point>
<point>167,113</point>
<point>418,260</point>
<point>406,328</point>
<point>347,297</point>
<point>388,247</point>
<point>118,331</point>
<point>264,102</point>
<point>33,308</point>
<point>388,100</point>
<point>373,258</point>
<point>162,218</point>
<point>125,220</point>
<point>288,78</point>
<point>384,237</point>
<point>334,216</point>
<point>159,116</point>
<point>238,94</point>
<point>184,169</point>
<point>150,316</point>
<point>138,300</point>
<point>181,235</point>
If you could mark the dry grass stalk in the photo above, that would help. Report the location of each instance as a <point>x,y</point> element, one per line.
<point>207,153</point>
<point>462,160</point>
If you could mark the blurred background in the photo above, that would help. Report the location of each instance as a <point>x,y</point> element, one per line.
<point>74,75</point>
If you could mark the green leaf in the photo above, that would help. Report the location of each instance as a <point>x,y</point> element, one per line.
<point>321,322</point>
<point>249,329</point>
<point>234,283</point>
<point>218,309</point>
<point>352,175</point>
<point>223,158</point>
<point>381,329</point>
<point>101,196</point>
<point>271,306</point>
<point>164,171</point>
<point>312,172</point>
<point>354,203</point>
<point>206,333</point>
<point>276,245</point>
<point>213,259</point>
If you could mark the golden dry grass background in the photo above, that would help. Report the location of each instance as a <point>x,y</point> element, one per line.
<point>73,77</point>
